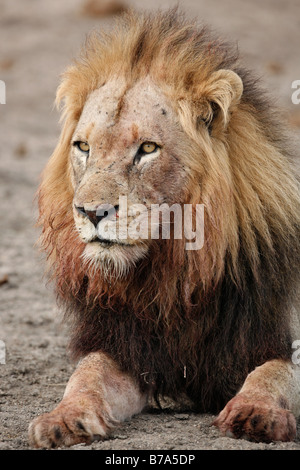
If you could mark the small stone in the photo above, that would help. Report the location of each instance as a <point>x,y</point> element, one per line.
<point>182,417</point>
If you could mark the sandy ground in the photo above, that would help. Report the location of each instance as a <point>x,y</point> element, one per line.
<point>38,39</point>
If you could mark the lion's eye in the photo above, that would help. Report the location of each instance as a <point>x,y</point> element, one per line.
<point>148,147</point>
<point>145,149</point>
<point>83,146</point>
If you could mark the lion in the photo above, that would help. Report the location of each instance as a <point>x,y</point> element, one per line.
<point>160,111</point>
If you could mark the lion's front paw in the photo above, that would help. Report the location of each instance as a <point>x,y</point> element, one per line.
<point>66,425</point>
<point>257,420</point>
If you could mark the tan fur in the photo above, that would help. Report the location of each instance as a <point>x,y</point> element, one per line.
<point>219,312</point>
<point>97,398</point>
<point>266,406</point>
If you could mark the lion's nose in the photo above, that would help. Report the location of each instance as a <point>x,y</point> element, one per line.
<point>96,215</point>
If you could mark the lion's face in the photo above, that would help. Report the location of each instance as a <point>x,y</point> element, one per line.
<point>128,146</point>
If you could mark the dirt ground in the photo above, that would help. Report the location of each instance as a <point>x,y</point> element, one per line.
<point>38,39</point>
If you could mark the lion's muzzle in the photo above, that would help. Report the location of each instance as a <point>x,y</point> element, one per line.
<point>101,212</point>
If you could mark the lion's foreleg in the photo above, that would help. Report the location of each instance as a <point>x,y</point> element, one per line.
<point>97,397</point>
<point>266,406</point>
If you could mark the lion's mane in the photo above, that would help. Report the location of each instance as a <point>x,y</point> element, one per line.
<point>184,321</point>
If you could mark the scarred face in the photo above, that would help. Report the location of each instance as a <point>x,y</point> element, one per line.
<point>126,155</point>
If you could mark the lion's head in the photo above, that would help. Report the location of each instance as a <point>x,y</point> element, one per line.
<point>130,143</point>
<point>160,112</point>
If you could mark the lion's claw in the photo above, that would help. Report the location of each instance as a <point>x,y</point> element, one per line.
<point>66,426</point>
<point>258,421</point>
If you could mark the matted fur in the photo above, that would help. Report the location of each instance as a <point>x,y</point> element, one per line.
<point>187,322</point>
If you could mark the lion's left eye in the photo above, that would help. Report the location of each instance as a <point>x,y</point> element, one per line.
<point>148,147</point>
<point>82,146</point>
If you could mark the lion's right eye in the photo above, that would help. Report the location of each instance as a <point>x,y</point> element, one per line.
<point>82,146</point>
<point>148,147</point>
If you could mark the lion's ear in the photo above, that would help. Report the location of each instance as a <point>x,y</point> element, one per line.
<point>221,92</point>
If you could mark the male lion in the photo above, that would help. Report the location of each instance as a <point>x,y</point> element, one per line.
<point>160,112</point>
